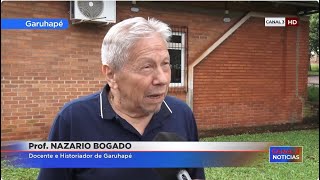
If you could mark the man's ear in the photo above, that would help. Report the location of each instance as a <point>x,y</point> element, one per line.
<point>109,74</point>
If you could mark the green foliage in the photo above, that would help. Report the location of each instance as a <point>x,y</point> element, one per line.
<point>314,70</point>
<point>308,169</point>
<point>312,73</point>
<point>314,33</point>
<point>313,94</point>
<point>314,67</point>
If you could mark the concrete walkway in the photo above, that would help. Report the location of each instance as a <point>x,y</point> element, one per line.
<point>313,80</point>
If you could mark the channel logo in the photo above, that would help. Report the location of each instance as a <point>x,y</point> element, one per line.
<point>281,21</point>
<point>285,154</point>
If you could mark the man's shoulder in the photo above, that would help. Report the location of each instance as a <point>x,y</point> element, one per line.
<point>176,104</point>
<point>88,100</point>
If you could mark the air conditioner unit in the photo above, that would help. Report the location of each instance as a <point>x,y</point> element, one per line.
<point>93,11</point>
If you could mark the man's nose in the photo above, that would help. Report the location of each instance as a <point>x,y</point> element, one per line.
<point>162,76</point>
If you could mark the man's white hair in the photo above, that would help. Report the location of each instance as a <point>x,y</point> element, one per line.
<point>122,37</point>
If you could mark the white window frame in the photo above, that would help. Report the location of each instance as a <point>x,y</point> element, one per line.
<point>177,46</point>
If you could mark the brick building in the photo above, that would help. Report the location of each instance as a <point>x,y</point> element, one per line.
<point>233,74</point>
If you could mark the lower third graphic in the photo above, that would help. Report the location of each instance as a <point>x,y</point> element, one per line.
<point>285,154</point>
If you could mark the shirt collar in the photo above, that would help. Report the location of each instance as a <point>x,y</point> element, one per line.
<point>106,111</point>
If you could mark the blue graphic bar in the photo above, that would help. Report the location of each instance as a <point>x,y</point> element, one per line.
<point>129,159</point>
<point>31,23</point>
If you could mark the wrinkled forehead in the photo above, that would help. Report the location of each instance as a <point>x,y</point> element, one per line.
<point>149,47</point>
<point>151,41</point>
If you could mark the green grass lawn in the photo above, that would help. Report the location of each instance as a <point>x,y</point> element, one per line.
<point>309,169</point>
<point>314,70</point>
<point>9,173</point>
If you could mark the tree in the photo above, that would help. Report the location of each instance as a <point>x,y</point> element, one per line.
<point>314,33</point>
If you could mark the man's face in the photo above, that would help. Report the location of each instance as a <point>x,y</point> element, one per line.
<point>144,80</point>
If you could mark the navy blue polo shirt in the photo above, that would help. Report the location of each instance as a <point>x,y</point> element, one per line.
<point>92,118</point>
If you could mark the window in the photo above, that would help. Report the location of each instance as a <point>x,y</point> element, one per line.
<point>177,51</point>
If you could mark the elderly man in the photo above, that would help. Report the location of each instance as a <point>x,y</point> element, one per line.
<point>133,106</point>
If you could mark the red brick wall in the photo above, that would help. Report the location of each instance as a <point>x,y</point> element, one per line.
<point>250,79</point>
<point>41,70</point>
